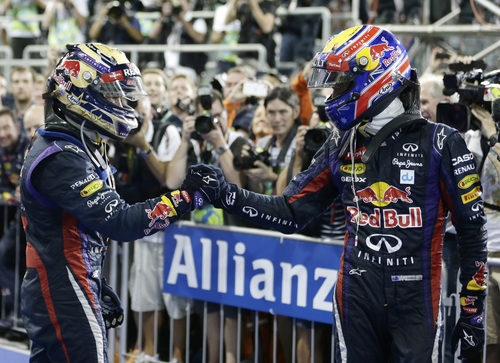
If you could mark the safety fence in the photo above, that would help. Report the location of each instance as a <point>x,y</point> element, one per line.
<point>248,294</point>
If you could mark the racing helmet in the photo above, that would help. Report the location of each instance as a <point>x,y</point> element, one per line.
<point>90,84</point>
<point>367,67</point>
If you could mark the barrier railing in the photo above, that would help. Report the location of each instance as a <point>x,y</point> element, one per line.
<point>236,249</point>
<point>136,49</point>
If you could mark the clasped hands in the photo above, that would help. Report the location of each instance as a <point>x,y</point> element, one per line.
<point>207,185</point>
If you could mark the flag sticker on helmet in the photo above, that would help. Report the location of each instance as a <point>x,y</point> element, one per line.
<point>112,76</point>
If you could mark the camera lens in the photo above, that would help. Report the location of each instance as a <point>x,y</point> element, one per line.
<point>204,124</point>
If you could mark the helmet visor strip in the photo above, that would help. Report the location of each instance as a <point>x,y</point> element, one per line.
<point>329,70</point>
<point>123,81</point>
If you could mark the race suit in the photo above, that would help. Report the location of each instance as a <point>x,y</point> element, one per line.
<point>387,295</point>
<point>68,213</point>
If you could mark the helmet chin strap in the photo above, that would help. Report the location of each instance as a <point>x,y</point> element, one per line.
<point>95,155</point>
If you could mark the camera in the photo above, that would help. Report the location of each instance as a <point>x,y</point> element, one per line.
<point>176,8</point>
<point>205,122</point>
<point>473,87</point>
<point>116,10</point>
<point>319,103</point>
<point>138,116</point>
<point>245,155</point>
<point>315,137</point>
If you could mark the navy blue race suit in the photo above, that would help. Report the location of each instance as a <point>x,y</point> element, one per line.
<point>387,296</point>
<point>69,212</point>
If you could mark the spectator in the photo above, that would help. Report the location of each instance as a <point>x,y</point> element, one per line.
<point>33,121</point>
<point>64,21</point>
<point>239,110</point>
<point>23,30</point>
<point>3,90</point>
<point>298,32</point>
<point>431,94</point>
<point>39,88</point>
<point>22,82</point>
<point>385,12</point>
<point>282,111</point>
<point>167,124</point>
<point>260,126</point>
<point>115,24</point>
<point>257,25</point>
<point>175,26</point>
<point>223,33</point>
<point>13,145</point>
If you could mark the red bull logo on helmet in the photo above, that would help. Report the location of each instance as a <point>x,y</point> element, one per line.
<point>378,50</point>
<point>382,194</point>
<point>71,68</point>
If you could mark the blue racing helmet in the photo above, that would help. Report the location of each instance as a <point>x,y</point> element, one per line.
<point>366,66</point>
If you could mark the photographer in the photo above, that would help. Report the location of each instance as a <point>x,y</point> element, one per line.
<point>64,21</point>
<point>474,116</point>
<point>282,110</point>
<point>257,25</point>
<point>113,25</point>
<point>176,26</point>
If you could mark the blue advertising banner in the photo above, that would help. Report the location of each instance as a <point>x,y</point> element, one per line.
<point>272,273</point>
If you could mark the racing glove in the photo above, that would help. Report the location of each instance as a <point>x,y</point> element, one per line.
<point>469,330</point>
<point>111,307</point>
<point>208,183</point>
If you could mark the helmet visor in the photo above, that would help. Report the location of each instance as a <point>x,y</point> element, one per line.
<point>123,81</point>
<point>321,78</point>
<point>329,70</point>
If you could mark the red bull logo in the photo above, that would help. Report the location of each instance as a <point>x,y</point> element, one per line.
<point>382,194</point>
<point>71,68</point>
<point>162,210</point>
<point>388,218</point>
<point>478,282</point>
<point>378,50</point>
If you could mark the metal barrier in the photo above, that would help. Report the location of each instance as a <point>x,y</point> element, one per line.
<point>119,276</point>
<point>136,49</point>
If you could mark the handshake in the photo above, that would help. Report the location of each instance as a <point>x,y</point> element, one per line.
<point>207,185</point>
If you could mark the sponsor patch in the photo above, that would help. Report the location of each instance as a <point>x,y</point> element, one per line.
<point>406,277</point>
<point>407,176</point>
<point>468,181</point>
<point>91,188</point>
<point>162,210</point>
<point>359,168</point>
<point>186,196</point>
<point>472,195</point>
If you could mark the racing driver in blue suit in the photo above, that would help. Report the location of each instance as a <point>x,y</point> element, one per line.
<point>398,176</point>
<point>70,208</point>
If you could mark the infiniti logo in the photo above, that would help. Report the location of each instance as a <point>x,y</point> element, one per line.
<point>409,147</point>
<point>391,243</point>
<point>251,211</point>
<point>111,205</point>
<point>476,206</point>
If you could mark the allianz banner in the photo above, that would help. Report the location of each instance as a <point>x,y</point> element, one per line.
<point>269,272</point>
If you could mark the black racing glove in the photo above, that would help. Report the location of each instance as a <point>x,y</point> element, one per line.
<point>209,184</point>
<point>111,307</point>
<point>469,330</point>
